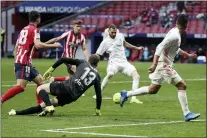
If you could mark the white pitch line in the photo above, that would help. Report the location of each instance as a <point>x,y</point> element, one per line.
<point>123,125</point>
<point>113,82</point>
<point>92,133</point>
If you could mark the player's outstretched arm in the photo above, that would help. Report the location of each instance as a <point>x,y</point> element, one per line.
<point>53,40</point>
<point>57,39</point>
<point>183,53</point>
<point>71,61</point>
<point>38,44</point>
<point>97,87</point>
<point>66,61</point>
<point>130,46</point>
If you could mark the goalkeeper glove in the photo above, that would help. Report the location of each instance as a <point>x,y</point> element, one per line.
<point>97,112</point>
<point>48,73</point>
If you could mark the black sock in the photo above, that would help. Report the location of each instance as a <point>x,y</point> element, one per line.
<point>43,94</point>
<point>31,110</point>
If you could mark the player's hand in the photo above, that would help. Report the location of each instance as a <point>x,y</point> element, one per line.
<point>48,73</point>
<point>192,55</point>
<point>140,48</point>
<point>57,44</point>
<point>97,112</point>
<point>152,69</point>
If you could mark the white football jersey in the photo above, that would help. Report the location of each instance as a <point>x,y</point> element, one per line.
<point>169,47</point>
<point>115,48</point>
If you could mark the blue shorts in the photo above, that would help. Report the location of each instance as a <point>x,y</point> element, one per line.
<point>26,72</point>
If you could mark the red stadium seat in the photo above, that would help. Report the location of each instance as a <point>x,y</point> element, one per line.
<point>117,21</point>
<point>109,21</point>
<point>132,30</point>
<point>94,20</point>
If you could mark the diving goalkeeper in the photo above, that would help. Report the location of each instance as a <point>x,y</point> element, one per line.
<point>69,90</point>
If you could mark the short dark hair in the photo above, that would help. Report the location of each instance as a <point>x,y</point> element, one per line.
<point>33,16</point>
<point>94,59</point>
<point>113,26</point>
<point>77,22</point>
<point>182,20</point>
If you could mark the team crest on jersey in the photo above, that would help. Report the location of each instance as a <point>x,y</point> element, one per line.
<point>73,44</point>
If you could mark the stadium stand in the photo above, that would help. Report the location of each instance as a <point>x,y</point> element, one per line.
<point>8,4</point>
<point>121,12</point>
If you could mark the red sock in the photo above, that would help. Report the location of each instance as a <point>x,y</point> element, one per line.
<point>39,100</point>
<point>11,93</point>
<point>60,78</point>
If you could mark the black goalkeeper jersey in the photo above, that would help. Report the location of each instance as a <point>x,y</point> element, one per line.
<point>84,77</point>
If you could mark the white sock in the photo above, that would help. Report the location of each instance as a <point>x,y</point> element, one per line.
<point>104,82</point>
<point>141,91</point>
<point>183,101</point>
<point>135,84</point>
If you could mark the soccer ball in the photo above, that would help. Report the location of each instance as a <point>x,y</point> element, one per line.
<point>116,98</point>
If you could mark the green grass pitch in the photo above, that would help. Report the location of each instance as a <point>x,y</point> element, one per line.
<point>160,115</point>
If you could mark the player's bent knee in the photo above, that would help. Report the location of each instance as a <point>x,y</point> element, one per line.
<point>153,90</point>
<point>21,85</point>
<point>181,86</point>
<point>54,102</point>
<point>110,74</point>
<point>136,77</point>
<point>39,88</point>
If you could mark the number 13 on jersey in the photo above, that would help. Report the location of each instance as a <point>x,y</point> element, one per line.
<point>88,76</point>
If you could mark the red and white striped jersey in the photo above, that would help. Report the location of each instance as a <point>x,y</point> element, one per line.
<point>25,44</point>
<point>72,43</point>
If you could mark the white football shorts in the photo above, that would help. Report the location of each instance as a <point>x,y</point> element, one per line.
<point>124,67</point>
<point>164,73</point>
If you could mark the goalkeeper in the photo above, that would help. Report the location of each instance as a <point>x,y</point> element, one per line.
<point>69,90</point>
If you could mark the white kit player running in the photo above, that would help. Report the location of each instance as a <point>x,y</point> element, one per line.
<point>114,44</point>
<point>162,70</point>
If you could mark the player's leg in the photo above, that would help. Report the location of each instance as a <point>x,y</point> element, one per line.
<point>112,69</point>
<point>43,91</point>
<point>130,70</point>
<point>21,84</point>
<point>33,110</point>
<point>39,81</point>
<point>152,89</point>
<point>156,79</point>
<point>22,80</point>
<point>182,97</point>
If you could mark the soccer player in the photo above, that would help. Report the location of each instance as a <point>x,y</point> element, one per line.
<point>106,32</point>
<point>162,70</point>
<point>28,40</point>
<point>73,39</point>
<point>69,90</point>
<point>114,45</point>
